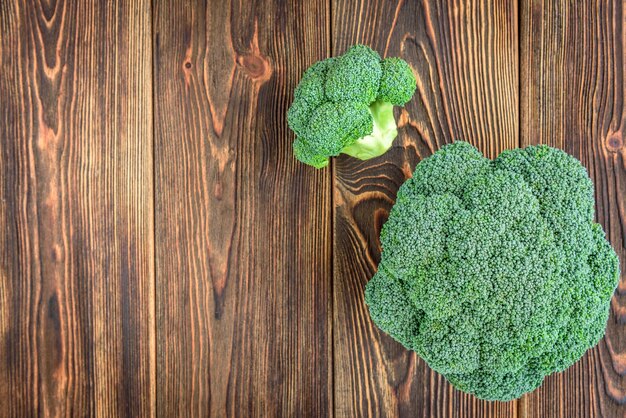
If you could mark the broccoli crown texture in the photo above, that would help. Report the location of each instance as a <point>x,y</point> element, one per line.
<point>494,272</point>
<point>345,105</point>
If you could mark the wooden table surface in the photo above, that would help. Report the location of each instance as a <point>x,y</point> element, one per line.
<point>163,254</point>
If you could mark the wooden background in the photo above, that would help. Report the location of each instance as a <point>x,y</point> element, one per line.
<point>163,254</point>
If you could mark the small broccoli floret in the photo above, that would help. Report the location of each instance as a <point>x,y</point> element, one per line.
<point>355,76</point>
<point>307,155</point>
<point>394,313</point>
<point>343,122</point>
<point>494,271</point>
<point>309,94</point>
<point>397,84</point>
<point>345,105</point>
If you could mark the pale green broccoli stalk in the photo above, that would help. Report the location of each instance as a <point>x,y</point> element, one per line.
<point>494,272</point>
<point>345,105</point>
<point>379,140</point>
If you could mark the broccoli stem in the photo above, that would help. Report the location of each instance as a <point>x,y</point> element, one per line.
<point>383,133</point>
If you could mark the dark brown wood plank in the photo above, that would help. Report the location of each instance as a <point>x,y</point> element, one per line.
<point>465,57</point>
<point>243,230</point>
<point>76,209</point>
<point>572,97</point>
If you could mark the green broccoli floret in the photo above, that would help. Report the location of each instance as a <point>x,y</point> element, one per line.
<point>345,105</point>
<point>397,84</point>
<point>494,272</point>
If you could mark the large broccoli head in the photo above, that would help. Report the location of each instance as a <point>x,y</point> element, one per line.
<point>345,105</point>
<point>494,272</point>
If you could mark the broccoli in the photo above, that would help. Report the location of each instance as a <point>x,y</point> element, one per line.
<point>494,272</point>
<point>345,105</point>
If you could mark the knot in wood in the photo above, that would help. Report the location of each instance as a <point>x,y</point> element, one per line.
<point>256,67</point>
<point>614,142</point>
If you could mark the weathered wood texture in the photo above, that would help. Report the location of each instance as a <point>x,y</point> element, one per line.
<point>243,246</point>
<point>76,209</point>
<point>465,58</point>
<point>162,253</point>
<point>572,62</point>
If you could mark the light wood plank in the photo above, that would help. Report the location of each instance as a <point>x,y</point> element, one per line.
<point>243,229</point>
<point>76,209</point>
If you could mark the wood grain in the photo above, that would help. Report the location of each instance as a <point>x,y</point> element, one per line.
<point>161,251</point>
<point>76,209</point>
<point>243,230</point>
<point>465,58</point>
<point>572,62</point>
